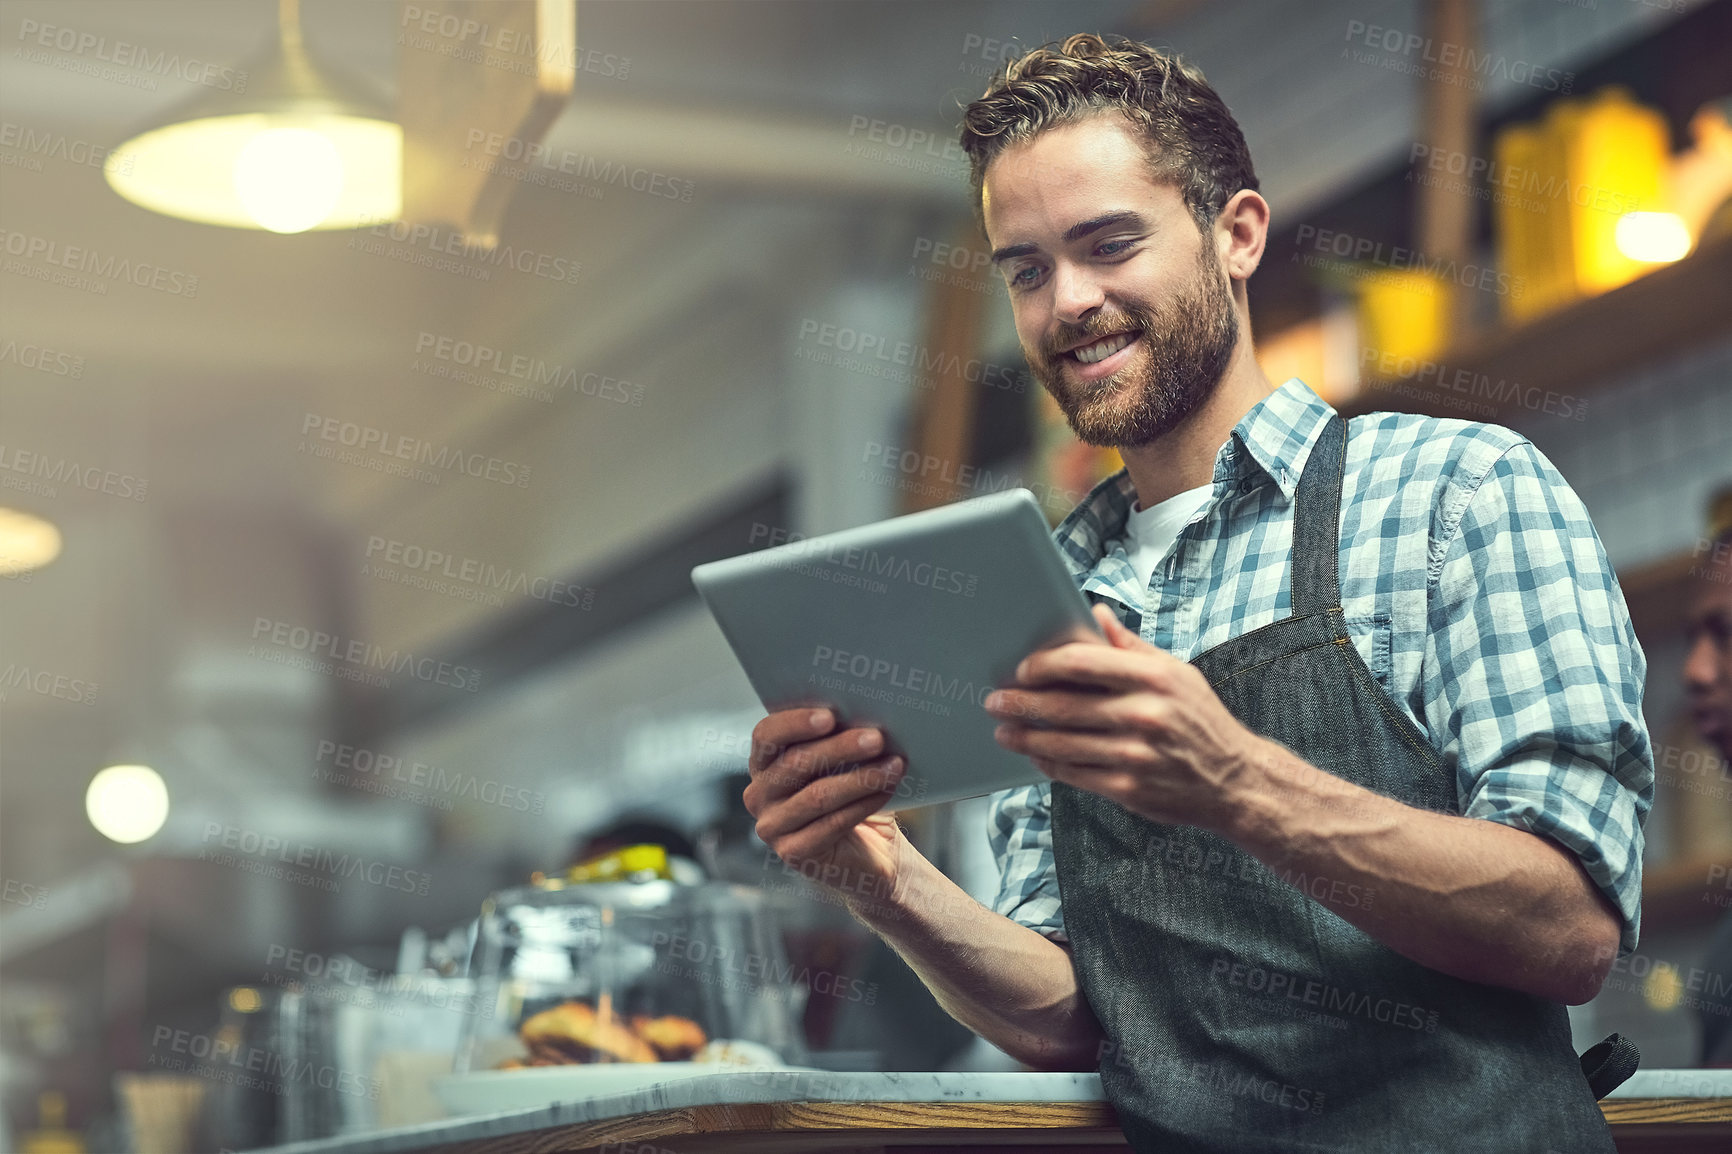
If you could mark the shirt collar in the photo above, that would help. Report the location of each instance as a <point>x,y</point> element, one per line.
<point>1270,443</point>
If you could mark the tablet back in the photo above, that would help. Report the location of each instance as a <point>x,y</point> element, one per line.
<point>906,624</point>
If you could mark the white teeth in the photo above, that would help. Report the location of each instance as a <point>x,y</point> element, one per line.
<point>1102,349</point>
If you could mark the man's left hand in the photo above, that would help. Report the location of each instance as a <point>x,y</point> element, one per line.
<point>1132,723</point>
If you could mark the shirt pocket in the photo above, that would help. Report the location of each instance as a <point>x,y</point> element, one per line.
<point>1371,640</point>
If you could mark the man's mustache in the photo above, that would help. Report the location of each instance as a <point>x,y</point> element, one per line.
<point>1069,335</point>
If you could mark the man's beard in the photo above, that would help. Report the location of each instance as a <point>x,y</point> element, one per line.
<point>1185,347</point>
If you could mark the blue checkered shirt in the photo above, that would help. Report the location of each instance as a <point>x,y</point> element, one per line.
<point>1475,588</point>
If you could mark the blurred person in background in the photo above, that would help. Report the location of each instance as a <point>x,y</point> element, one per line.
<point>642,829</point>
<point>1329,883</point>
<point>1708,682</point>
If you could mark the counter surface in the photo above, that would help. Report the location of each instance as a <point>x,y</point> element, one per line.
<point>813,1110</point>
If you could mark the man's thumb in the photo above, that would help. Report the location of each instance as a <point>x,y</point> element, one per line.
<point>1117,635</point>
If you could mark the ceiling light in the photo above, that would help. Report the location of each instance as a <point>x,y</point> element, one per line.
<point>127,803</point>
<point>301,148</point>
<point>26,542</point>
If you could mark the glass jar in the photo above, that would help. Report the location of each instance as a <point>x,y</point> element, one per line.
<point>622,971</point>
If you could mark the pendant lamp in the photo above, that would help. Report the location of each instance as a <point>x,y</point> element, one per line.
<point>290,147</point>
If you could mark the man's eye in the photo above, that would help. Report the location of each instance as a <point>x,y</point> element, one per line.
<point>1114,247</point>
<point>1023,277</point>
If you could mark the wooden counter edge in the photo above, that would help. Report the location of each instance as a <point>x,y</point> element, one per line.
<point>1632,1116</point>
<point>1621,1112</point>
<point>801,1117</point>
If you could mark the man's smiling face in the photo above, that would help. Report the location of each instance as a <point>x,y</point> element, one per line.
<point>1121,306</point>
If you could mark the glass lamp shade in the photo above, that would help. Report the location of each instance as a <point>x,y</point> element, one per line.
<point>285,171</point>
<point>27,542</point>
<point>298,149</point>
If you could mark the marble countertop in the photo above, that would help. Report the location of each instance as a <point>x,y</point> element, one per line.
<point>831,1086</point>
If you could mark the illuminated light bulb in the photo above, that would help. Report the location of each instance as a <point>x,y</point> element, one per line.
<point>244,1000</point>
<point>289,179</point>
<point>193,170</point>
<point>127,803</point>
<point>26,542</point>
<point>1653,237</point>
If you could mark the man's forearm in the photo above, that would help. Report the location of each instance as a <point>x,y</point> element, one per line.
<point>1474,899</point>
<point>1007,983</point>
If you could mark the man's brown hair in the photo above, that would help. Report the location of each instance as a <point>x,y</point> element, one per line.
<point>1191,139</point>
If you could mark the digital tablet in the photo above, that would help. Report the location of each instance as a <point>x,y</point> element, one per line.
<point>906,624</point>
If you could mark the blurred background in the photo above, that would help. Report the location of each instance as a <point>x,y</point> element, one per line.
<point>354,453</point>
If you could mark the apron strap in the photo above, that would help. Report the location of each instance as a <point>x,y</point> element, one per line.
<point>1314,576</point>
<point>1607,1064</point>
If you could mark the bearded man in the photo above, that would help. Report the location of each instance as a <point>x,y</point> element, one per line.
<point>1347,804</point>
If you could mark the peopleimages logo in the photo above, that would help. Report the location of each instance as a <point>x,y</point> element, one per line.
<point>890,681</point>
<point>476,261</point>
<point>221,1058</point>
<point>1363,254</point>
<point>33,146</point>
<point>1442,60</point>
<point>1323,996</point>
<point>585,168</point>
<point>1507,181</point>
<point>41,474</point>
<point>251,848</point>
<point>513,49</point>
<point>122,54</point>
<point>926,363</point>
<point>757,973</point>
<point>24,894</point>
<point>533,371</point>
<point>45,683</point>
<point>88,269</point>
<point>43,360</point>
<point>369,769</point>
<point>934,475</point>
<point>401,453</point>
<point>1161,1067</point>
<point>807,556</point>
<point>352,659</point>
<point>1439,378</point>
<point>468,571</point>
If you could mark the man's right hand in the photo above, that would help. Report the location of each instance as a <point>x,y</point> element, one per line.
<point>816,793</point>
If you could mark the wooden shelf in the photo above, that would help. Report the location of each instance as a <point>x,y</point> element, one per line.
<point>1575,350</point>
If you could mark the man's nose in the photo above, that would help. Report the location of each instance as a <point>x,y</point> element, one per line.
<point>1701,664</point>
<point>1076,293</point>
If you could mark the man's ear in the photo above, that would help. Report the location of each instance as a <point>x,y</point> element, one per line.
<point>1243,225</point>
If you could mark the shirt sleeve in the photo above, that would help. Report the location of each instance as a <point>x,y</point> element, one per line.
<point>1533,675</point>
<point>1019,828</point>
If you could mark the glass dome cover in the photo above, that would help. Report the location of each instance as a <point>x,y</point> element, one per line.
<point>631,971</point>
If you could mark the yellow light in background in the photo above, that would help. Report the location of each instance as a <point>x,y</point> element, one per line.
<point>26,542</point>
<point>1653,237</point>
<point>1533,235</point>
<point>244,1000</point>
<point>127,803</point>
<point>1662,989</point>
<point>256,170</point>
<point>1404,318</point>
<point>1613,158</point>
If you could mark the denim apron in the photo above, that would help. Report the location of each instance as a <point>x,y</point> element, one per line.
<point>1241,1014</point>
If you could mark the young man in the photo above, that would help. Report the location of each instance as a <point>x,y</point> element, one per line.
<point>1348,804</point>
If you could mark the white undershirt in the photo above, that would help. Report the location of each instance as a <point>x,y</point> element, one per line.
<point>1149,533</point>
